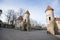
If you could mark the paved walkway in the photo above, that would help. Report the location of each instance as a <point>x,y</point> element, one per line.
<point>11,34</point>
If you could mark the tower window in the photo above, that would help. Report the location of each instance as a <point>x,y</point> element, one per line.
<point>49,18</point>
<point>25,20</point>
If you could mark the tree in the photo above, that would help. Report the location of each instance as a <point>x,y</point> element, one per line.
<point>11,17</point>
<point>20,12</point>
<point>8,15</point>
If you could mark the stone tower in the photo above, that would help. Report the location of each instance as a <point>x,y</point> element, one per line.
<point>50,19</point>
<point>27,20</point>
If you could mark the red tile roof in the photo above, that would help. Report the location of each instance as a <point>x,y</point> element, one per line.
<point>20,18</point>
<point>48,8</point>
<point>57,19</point>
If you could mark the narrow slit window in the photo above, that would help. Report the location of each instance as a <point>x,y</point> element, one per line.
<point>25,20</point>
<point>49,18</point>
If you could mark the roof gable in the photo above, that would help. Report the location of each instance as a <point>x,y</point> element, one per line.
<point>20,18</point>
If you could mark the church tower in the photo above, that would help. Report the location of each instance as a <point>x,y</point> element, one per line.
<point>27,20</point>
<point>50,19</point>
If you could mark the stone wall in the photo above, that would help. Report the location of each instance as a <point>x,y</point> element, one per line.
<point>50,28</point>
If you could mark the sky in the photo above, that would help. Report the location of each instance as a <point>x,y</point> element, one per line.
<point>36,8</point>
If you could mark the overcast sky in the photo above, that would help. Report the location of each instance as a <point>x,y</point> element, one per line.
<point>35,7</point>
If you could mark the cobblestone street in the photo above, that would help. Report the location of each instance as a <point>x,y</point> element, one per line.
<point>12,34</point>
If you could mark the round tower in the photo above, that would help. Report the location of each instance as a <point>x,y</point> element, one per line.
<point>26,16</point>
<point>50,19</point>
<point>27,20</point>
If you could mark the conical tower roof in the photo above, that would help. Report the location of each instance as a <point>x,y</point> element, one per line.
<point>48,8</point>
<point>27,12</point>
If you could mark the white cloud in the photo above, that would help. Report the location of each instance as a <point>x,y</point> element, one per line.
<point>38,15</point>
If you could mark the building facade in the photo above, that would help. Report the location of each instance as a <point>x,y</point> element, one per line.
<point>53,24</point>
<point>23,22</point>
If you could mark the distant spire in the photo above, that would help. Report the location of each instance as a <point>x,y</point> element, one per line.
<point>27,12</point>
<point>48,8</point>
